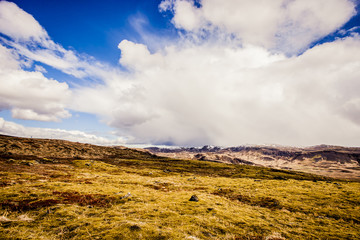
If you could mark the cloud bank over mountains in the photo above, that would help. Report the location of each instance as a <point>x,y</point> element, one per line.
<point>240,72</point>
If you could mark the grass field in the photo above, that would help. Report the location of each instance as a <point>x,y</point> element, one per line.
<point>149,199</point>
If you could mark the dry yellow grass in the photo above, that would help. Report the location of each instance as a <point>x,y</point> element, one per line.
<point>86,200</point>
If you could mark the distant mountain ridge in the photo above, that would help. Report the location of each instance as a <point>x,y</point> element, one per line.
<point>334,161</point>
<point>331,161</point>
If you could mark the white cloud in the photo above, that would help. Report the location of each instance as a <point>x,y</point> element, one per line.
<point>137,56</point>
<point>281,25</point>
<point>32,42</point>
<point>18,24</point>
<point>186,16</point>
<point>39,68</point>
<point>228,95</point>
<point>67,61</point>
<point>14,129</point>
<point>30,95</point>
<point>9,59</point>
<point>307,21</point>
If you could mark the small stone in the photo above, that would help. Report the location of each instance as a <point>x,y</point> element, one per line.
<point>135,228</point>
<point>126,196</point>
<point>192,238</point>
<point>194,198</point>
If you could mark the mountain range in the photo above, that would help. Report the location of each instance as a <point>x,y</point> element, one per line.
<point>331,161</point>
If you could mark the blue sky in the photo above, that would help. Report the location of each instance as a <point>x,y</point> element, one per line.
<point>181,72</point>
<point>95,27</point>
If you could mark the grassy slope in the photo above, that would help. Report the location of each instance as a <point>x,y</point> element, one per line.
<point>83,199</point>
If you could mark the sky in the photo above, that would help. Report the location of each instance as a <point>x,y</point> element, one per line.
<point>181,72</point>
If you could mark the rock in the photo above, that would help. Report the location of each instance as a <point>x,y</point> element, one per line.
<point>194,198</point>
<point>192,238</point>
<point>126,196</point>
<point>135,228</point>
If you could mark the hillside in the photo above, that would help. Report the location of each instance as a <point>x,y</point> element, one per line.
<point>331,161</point>
<point>15,147</point>
<point>54,189</point>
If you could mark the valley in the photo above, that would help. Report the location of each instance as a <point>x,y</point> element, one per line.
<point>331,161</point>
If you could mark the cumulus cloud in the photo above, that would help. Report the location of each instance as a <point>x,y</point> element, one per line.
<point>194,94</point>
<point>225,93</point>
<point>281,25</point>
<point>137,56</point>
<point>30,95</point>
<point>14,129</point>
<point>18,24</point>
